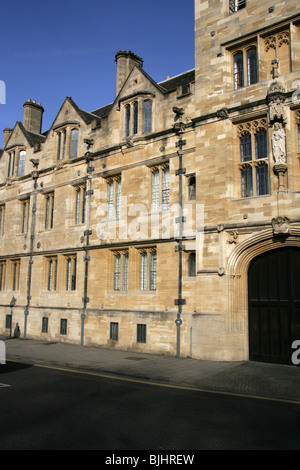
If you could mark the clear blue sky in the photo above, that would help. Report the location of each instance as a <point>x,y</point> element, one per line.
<point>53,49</point>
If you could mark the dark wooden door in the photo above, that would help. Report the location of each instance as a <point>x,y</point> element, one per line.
<point>274,305</point>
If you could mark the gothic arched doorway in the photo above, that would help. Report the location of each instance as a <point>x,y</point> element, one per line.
<point>274,305</point>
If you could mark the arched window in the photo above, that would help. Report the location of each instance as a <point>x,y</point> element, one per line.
<point>252,65</point>
<point>22,157</point>
<point>127,121</point>
<point>238,70</point>
<point>147,116</point>
<point>135,117</point>
<point>74,143</point>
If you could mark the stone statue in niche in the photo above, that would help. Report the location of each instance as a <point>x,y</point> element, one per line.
<point>279,144</point>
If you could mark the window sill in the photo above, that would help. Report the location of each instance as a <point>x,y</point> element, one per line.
<point>250,197</point>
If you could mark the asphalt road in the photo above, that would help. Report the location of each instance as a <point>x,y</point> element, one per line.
<point>50,409</point>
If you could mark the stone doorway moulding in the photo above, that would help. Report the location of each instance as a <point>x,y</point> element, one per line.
<point>237,269</point>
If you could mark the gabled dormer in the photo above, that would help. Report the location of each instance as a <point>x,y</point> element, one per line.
<point>19,145</point>
<point>145,106</point>
<point>21,142</point>
<point>136,98</point>
<point>69,129</point>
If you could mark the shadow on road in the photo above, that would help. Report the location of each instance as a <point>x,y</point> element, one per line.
<point>12,367</point>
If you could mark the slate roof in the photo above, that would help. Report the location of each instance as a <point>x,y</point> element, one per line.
<point>173,83</point>
<point>32,137</point>
<point>167,86</point>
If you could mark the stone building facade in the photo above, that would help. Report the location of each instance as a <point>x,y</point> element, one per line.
<point>167,221</point>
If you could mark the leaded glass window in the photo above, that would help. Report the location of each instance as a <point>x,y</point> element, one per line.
<point>74,143</point>
<point>22,158</point>
<point>147,116</point>
<point>254,158</point>
<point>143,271</point>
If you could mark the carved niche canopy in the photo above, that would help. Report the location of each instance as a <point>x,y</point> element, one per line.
<point>276,103</point>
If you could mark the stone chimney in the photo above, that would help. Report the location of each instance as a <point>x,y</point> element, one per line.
<point>126,61</point>
<point>33,116</point>
<point>7,133</point>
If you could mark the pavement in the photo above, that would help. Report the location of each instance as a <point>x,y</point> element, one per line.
<point>259,380</point>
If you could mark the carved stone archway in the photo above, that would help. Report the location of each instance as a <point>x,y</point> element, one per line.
<point>237,269</point>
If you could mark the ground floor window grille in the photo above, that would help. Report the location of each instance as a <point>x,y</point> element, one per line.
<point>141,333</point>
<point>8,321</point>
<point>45,325</point>
<point>63,326</point>
<point>114,331</point>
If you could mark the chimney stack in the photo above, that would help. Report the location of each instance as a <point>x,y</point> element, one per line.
<point>126,61</point>
<point>7,133</point>
<point>33,116</point>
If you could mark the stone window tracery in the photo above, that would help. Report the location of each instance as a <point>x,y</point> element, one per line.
<point>254,162</point>
<point>245,70</point>
<point>138,117</point>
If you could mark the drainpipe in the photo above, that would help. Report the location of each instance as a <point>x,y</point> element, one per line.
<point>87,234</point>
<point>179,129</point>
<point>35,176</point>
